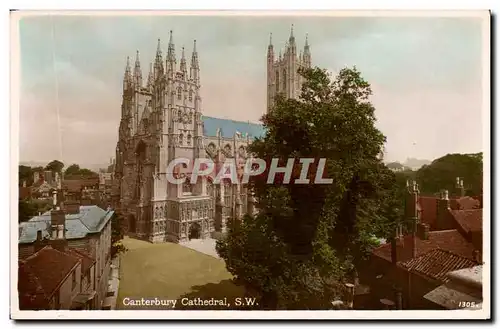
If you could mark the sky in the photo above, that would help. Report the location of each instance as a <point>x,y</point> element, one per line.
<point>425,72</point>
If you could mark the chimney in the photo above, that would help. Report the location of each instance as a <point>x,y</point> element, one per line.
<point>443,206</point>
<point>39,242</point>
<point>459,187</point>
<point>396,243</point>
<point>423,231</point>
<point>57,220</point>
<point>72,207</point>
<point>412,218</point>
<point>398,294</point>
<point>350,295</point>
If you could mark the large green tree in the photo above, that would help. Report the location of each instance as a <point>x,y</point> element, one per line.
<point>307,239</point>
<point>442,174</point>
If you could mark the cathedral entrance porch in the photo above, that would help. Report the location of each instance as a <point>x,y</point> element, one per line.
<point>194,231</point>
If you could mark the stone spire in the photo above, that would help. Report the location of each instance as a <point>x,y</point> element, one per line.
<point>195,66</point>
<point>171,48</point>
<point>127,77</point>
<point>150,81</point>
<point>291,41</point>
<point>171,61</point>
<point>158,61</point>
<point>270,48</point>
<point>307,53</point>
<point>270,53</point>
<point>183,63</point>
<point>137,71</point>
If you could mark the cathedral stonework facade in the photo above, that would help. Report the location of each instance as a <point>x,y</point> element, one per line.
<point>161,120</point>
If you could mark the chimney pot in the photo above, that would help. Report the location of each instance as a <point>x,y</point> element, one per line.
<point>39,235</point>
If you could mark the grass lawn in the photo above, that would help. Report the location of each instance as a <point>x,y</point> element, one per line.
<point>171,271</point>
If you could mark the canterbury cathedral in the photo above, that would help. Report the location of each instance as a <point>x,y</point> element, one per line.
<point>161,120</point>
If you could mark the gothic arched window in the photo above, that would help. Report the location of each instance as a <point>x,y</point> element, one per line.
<point>277,81</point>
<point>181,139</point>
<point>284,80</point>
<point>179,93</point>
<point>190,95</point>
<point>188,140</point>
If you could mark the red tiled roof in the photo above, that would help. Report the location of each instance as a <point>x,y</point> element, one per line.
<point>40,274</point>
<point>428,207</point>
<point>436,263</point>
<point>87,261</point>
<point>450,240</point>
<point>469,220</point>
<point>466,203</point>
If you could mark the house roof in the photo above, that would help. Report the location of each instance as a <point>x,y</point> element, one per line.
<point>90,219</point>
<point>436,263</point>
<point>76,185</point>
<point>87,260</point>
<point>466,203</point>
<point>230,127</point>
<point>469,220</point>
<point>450,240</point>
<point>40,274</point>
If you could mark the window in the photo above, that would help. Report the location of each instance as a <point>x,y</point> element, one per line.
<point>188,139</point>
<point>179,93</point>
<point>190,95</point>
<point>73,280</point>
<point>181,139</point>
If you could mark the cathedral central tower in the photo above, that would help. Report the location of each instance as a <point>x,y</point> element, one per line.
<point>282,71</point>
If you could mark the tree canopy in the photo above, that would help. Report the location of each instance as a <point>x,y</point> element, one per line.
<point>25,175</point>
<point>307,239</point>
<point>75,170</point>
<point>55,166</point>
<point>442,173</point>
